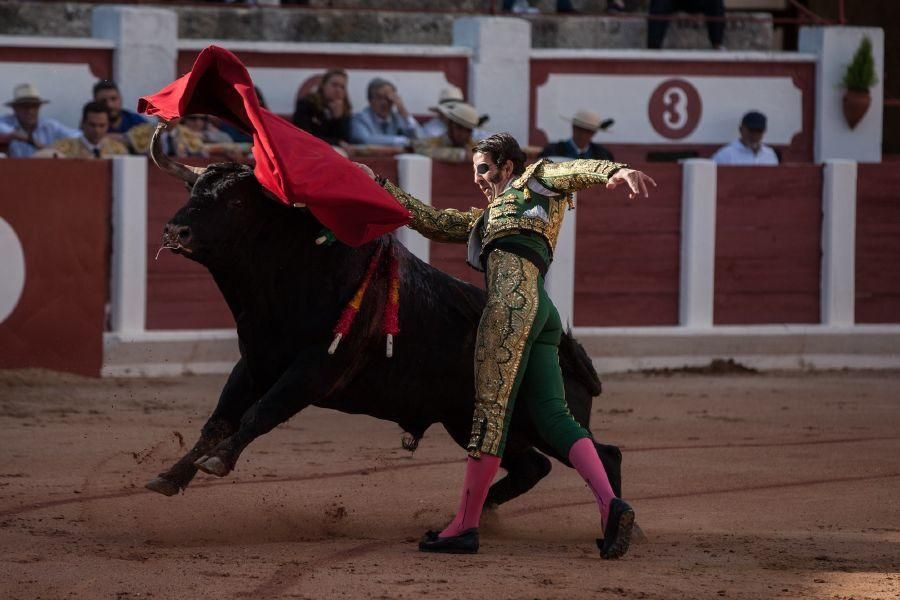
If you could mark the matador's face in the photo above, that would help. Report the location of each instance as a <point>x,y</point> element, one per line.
<point>489,176</point>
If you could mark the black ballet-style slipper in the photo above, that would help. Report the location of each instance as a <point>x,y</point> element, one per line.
<point>464,543</point>
<point>617,534</point>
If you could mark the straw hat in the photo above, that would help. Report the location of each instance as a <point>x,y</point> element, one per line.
<point>447,95</point>
<point>461,114</point>
<point>589,120</point>
<point>26,93</point>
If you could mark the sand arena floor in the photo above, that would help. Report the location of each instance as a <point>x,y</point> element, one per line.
<point>746,486</point>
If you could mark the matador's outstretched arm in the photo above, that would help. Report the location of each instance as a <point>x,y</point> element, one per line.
<point>574,175</point>
<point>447,225</point>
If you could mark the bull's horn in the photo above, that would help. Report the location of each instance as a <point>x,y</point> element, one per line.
<point>185,172</point>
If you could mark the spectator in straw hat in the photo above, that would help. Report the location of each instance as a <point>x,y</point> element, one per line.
<point>24,130</point>
<point>456,144</point>
<point>585,125</point>
<point>438,125</point>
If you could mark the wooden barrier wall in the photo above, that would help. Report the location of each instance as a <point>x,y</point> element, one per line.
<point>60,212</point>
<point>768,248</point>
<point>627,254</point>
<point>878,244</point>
<point>181,294</point>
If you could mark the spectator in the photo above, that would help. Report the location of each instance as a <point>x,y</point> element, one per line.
<point>385,121</point>
<point>656,28</point>
<point>456,144</point>
<point>437,126</point>
<point>24,130</point>
<point>585,124</point>
<point>208,132</point>
<point>121,120</point>
<point>748,149</point>
<point>93,141</point>
<point>326,112</point>
<point>522,7</point>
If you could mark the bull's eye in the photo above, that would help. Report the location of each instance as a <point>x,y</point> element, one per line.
<point>193,210</point>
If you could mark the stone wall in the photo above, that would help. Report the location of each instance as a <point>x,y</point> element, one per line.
<point>311,24</point>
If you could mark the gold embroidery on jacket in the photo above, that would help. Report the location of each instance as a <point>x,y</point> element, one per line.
<point>447,225</point>
<point>512,303</point>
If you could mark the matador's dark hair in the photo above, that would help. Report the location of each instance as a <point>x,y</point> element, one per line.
<point>502,147</point>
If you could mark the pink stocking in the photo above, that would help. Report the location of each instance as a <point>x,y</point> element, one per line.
<point>479,475</point>
<point>583,456</point>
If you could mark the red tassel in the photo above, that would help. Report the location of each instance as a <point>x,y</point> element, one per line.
<point>350,311</point>
<point>391,321</point>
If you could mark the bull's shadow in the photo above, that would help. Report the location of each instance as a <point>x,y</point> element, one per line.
<point>286,293</point>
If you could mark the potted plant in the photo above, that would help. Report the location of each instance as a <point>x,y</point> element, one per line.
<point>858,78</point>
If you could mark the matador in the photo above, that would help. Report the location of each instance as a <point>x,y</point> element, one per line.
<point>516,348</point>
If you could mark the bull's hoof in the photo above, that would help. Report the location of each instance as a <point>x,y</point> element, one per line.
<point>162,486</point>
<point>212,465</point>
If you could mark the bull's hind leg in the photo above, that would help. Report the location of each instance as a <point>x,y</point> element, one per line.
<point>236,396</point>
<point>524,468</point>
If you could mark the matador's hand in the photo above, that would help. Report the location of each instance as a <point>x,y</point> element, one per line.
<point>366,169</point>
<point>636,180</point>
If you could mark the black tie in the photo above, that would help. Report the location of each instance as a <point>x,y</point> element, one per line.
<point>96,152</point>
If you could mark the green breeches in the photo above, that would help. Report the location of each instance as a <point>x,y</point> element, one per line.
<point>517,360</point>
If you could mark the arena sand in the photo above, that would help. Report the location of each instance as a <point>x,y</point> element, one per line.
<point>746,486</point>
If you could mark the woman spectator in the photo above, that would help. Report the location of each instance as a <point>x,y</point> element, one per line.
<point>326,112</point>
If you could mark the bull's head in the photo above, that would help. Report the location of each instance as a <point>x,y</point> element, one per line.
<point>227,205</point>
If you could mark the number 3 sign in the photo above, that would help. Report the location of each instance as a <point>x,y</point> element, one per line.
<point>674,109</point>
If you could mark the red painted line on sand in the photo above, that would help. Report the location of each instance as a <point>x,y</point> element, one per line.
<point>415,465</point>
<point>731,490</point>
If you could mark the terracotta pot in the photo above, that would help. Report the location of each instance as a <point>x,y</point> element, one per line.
<point>856,104</point>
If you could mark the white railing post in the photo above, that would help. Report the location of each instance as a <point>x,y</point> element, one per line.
<point>698,243</point>
<point>414,176</point>
<point>128,272</point>
<point>838,285</point>
<point>146,51</point>
<point>498,70</point>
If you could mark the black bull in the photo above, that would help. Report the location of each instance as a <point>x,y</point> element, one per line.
<point>286,294</point>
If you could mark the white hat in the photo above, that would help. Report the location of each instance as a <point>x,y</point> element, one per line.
<point>26,93</point>
<point>451,94</point>
<point>448,95</point>
<point>461,114</point>
<point>589,120</point>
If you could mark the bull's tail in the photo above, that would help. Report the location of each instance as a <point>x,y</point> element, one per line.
<point>574,360</point>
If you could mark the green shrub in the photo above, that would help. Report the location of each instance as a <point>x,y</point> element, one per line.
<point>860,73</point>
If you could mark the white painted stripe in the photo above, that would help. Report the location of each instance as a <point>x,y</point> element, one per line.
<point>672,55</point>
<point>34,41</point>
<point>402,50</point>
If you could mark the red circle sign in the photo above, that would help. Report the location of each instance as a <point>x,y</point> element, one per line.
<point>675,109</point>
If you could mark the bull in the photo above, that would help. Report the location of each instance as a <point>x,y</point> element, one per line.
<point>286,292</point>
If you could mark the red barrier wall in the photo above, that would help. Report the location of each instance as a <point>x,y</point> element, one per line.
<point>768,256</point>
<point>627,254</point>
<point>452,187</point>
<point>878,244</point>
<point>181,294</point>
<point>60,211</point>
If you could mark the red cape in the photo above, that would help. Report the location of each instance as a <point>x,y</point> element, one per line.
<point>292,164</point>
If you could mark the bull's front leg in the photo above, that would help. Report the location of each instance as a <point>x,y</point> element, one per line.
<point>301,383</point>
<point>236,397</point>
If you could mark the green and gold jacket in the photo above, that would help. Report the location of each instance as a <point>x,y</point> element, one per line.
<point>533,203</point>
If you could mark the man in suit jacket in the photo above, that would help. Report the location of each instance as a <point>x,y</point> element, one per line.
<point>585,125</point>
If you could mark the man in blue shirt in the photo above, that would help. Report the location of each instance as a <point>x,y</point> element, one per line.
<point>385,122</point>
<point>121,120</point>
<point>25,131</point>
